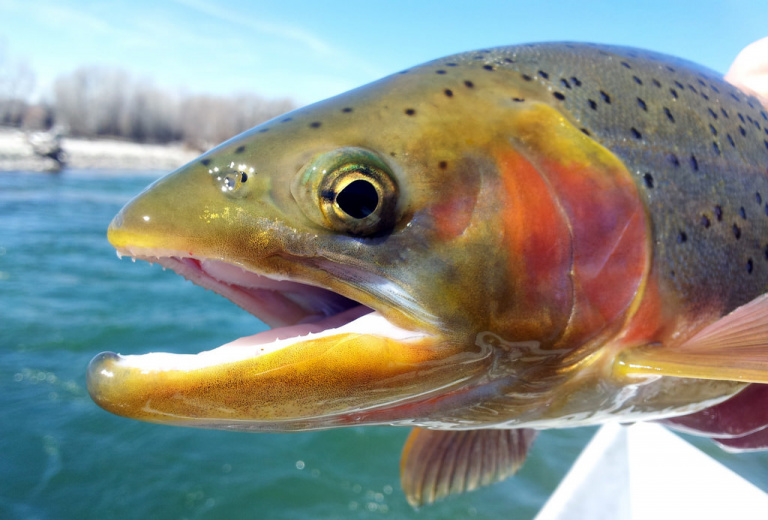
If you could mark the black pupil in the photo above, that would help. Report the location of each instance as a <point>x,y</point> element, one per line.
<point>358,199</point>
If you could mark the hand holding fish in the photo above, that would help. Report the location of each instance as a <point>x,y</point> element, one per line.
<point>750,69</point>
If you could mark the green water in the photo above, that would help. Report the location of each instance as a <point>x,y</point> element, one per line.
<point>64,297</point>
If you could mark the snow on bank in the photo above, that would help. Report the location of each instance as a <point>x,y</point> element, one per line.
<point>16,154</point>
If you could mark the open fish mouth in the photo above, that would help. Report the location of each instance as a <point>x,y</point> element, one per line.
<point>294,310</point>
<point>276,302</point>
<point>327,361</point>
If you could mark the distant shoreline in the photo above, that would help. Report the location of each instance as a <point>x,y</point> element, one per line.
<point>16,154</point>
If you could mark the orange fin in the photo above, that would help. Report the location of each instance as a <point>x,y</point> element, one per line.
<point>734,348</point>
<point>437,463</point>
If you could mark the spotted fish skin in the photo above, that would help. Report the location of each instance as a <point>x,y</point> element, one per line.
<point>696,145</point>
<point>528,237</point>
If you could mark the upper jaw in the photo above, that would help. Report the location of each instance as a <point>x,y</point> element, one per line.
<point>276,301</point>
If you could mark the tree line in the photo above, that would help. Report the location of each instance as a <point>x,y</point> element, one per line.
<point>94,102</point>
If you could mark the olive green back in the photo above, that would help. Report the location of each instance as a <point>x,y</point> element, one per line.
<point>697,146</point>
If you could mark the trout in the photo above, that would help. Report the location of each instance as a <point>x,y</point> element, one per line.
<point>480,247</point>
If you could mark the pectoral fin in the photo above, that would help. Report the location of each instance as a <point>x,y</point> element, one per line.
<point>437,463</point>
<point>734,348</point>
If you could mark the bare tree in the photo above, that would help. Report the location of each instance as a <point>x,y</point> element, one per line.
<point>108,102</point>
<point>16,84</point>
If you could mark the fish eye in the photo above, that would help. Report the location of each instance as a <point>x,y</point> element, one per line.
<point>358,199</point>
<point>350,190</point>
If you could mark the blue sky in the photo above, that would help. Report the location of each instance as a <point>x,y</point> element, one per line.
<point>309,50</point>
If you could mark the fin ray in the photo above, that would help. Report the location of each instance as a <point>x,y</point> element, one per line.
<point>437,463</point>
<point>734,348</point>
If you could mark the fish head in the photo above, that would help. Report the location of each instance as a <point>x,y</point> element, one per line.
<point>361,228</point>
<point>412,244</point>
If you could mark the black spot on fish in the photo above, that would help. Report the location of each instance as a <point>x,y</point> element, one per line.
<point>673,92</point>
<point>469,84</point>
<point>716,148</point>
<point>648,179</point>
<point>440,71</point>
<point>410,112</point>
<point>682,238</point>
<point>705,221</point>
<point>565,83</point>
<point>758,197</point>
<point>701,83</point>
<point>346,110</point>
<point>448,92</point>
<point>692,89</point>
<point>673,160</point>
<point>743,213</point>
<point>243,177</point>
<point>669,115</point>
<point>605,97</point>
<point>750,266</point>
<point>264,130</point>
<point>489,67</point>
<point>719,213</point>
<point>205,162</point>
<point>694,163</point>
<point>725,114</point>
<point>712,113</point>
<point>240,149</point>
<point>715,89</point>
<point>635,133</point>
<point>526,77</point>
<point>287,119</point>
<point>742,131</point>
<point>442,165</point>
<point>705,96</point>
<point>518,100</point>
<point>625,64</point>
<point>730,140</point>
<point>766,144</point>
<point>742,118</point>
<point>713,130</point>
<point>315,124</point>
<point>592,104</point>
<point>576,81</point>
<point>451,65</point>
<point>680,85</point>
<point>656,83</point>
<point>585,132</point>
<point>642,104</point>
<point>736,231</point>
<point>559,95</point>
<point>637,80</point>
<point>509,60</point>
<point>406,71</point>
<point>765,252</point>
<point>670,69</point>
<point>543,74</point>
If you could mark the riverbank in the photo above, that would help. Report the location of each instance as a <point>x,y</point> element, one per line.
<point>17,154</point>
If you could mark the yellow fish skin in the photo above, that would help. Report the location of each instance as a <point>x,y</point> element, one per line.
<point>491,240</point>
